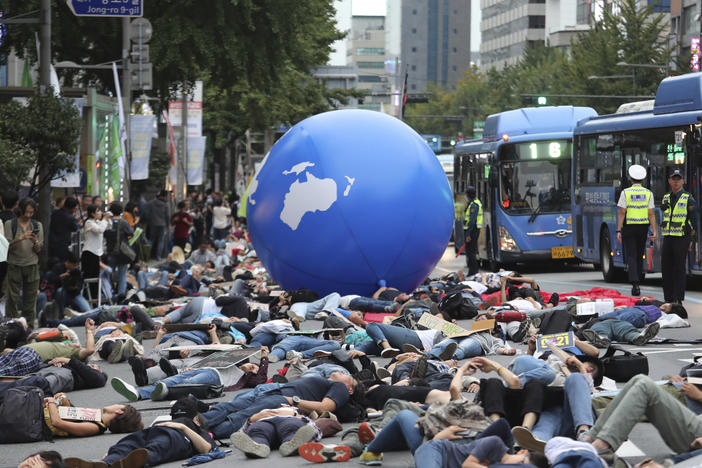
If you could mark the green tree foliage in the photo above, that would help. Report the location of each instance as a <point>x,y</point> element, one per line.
<point>16,160</point>
<point>46,129</point>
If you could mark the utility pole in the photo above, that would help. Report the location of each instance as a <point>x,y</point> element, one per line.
<point>44,88</point>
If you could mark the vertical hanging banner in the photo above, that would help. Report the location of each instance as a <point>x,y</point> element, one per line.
<point>140,133</point>
<point>71,178</point>
<point>196,160</point>
<point>114,157</point>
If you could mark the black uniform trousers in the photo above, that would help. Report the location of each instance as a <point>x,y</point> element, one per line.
<point>634,242</point>
<point>472,251</point>
<point>673,258</point>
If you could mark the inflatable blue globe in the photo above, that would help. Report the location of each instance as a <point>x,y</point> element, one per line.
<point>346,199</point>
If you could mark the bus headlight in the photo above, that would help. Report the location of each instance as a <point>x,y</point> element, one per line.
<point>507,242</point>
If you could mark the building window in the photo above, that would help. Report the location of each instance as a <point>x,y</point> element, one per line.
<point>414,86</point>
<point>689,19</point>
<point>370,51</point>
<point>414,30</point>
<point>414,67</point>
<point>414,49</point>
<point>537,1</point>
<point>454,68</point>
<point>582,12</point>
<point>455,12</point>
<point>661,6</point>
<point>454,50</point>
<point>376,65</point>
<point>414,12</point>
<point>455,31</point>
<point>537,22</point>
<point>369,79</point>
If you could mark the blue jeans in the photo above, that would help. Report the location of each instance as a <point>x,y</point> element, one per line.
<point>158,241</point>
<point>263,339</point>
<point>634,316</point>
<point>467,347</point>
<point>63,299</point>
<point>307,310</point>
<point>191,377</point>
<point>75,321</point>
<point>369,304</point>
<point>395,336</point>
<point>190,313</point>
<point>431,454</point>
<point>616,330</point>
<point>303,343</point>
<point>575,411</point>
<point>530,368</point>
<point>223,419</point>
<point>324,370</point>
<point>400,433</point>
<point>143,278</point>
<point>121,273</point>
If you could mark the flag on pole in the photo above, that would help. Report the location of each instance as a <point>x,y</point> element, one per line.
<point>115,157</point>
<point>27,81</point>
<point>122,128</point>
<point>171,149</point>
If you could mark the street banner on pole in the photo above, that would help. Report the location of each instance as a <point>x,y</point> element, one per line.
<point>71,178</point>
<point>196,160</point>
<point>141,130</point>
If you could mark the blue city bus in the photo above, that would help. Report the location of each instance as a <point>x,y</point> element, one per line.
<point>661,138</point>
<point>521,169</point>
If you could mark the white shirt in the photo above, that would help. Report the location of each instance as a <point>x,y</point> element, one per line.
<point>522,305</point>
<point>220,214</point>
<point>94,231</point>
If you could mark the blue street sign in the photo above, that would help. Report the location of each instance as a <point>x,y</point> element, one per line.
<point>105,8</point>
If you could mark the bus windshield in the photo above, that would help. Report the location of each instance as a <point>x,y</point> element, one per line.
<point>535,177</point>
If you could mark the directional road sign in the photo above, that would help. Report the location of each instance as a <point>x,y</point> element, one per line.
<point>106,8</point>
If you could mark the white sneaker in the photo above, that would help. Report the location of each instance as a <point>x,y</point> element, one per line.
<point>321,316</point>
<point>123,388</point>
<point>67,311</point>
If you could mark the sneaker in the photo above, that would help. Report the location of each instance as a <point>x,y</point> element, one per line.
<point>408,348</point>
<point>277,378</point>
<point>160,391</point>
<point>71,333</point>
<point>321,354</point>
<point>366,433</point>
<point>139,370</point>
<point>328,415</point>
<point>380,371</point>
<point>169,369</point>
<point>303,435</point>
<point>525,439</point>
<point>554,299</point>
<point>370,458</point>
<point>320,453</point>
<point>123,388</point>
<point>73,462</point>
<point>646,334</point>
<point>292,354</point>
<point>68,312</point>
<point>247,445</point>
<point>598,340</point>
<point>449,351</point>
<point>116,353</point>
<point>389,352</point>
<point>273,358</point>
<point>134,459</point>
<point>128,349</point>
<point>321,316</point>
<point>420,368</point>
<point>584,436</point>
<point>635,290</point>
<point>522,332</point>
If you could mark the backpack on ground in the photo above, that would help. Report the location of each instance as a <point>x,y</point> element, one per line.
<point>22,416</point>
<point>457,306</point>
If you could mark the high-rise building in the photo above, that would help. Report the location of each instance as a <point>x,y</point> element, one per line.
<point>366,51</point>
<point>685,30</point>
<point>429,40</point>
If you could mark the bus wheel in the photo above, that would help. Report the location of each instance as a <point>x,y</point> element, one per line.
<point>610,273</point>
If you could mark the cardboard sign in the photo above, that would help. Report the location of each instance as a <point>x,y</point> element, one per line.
<point>179,327</point>
<point>599,307</point>
<point>452,330</point>
<point>559,340</point>
<point>205,347</point>
<point>80,414</point>
<point>225,359</point>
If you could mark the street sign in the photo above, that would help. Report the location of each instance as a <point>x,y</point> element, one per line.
<point>106,8</point>
<point>142,76</point>
<point>140,53</point>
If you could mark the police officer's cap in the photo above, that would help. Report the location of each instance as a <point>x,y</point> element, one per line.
<point>676,173</point>
<point>470,191</point>
<point>637,172</point>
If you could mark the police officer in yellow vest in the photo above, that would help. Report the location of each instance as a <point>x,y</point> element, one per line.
<point>635,217</point>
<point>472,224</point>
<point>679,226</point>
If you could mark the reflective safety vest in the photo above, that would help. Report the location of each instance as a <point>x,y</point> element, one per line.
<point>673,223</point>
<point>637,202</point>
<point>479,220</point>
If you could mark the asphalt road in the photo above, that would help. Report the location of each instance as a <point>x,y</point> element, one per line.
<point>663,359</point>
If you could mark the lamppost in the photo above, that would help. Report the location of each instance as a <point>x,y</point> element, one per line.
<point>608,77</point>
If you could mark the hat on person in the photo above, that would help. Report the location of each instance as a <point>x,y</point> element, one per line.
<point>637,172</point>
<point>676,173</point>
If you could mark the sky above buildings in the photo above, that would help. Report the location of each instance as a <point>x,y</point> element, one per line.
<point>346,8</point>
